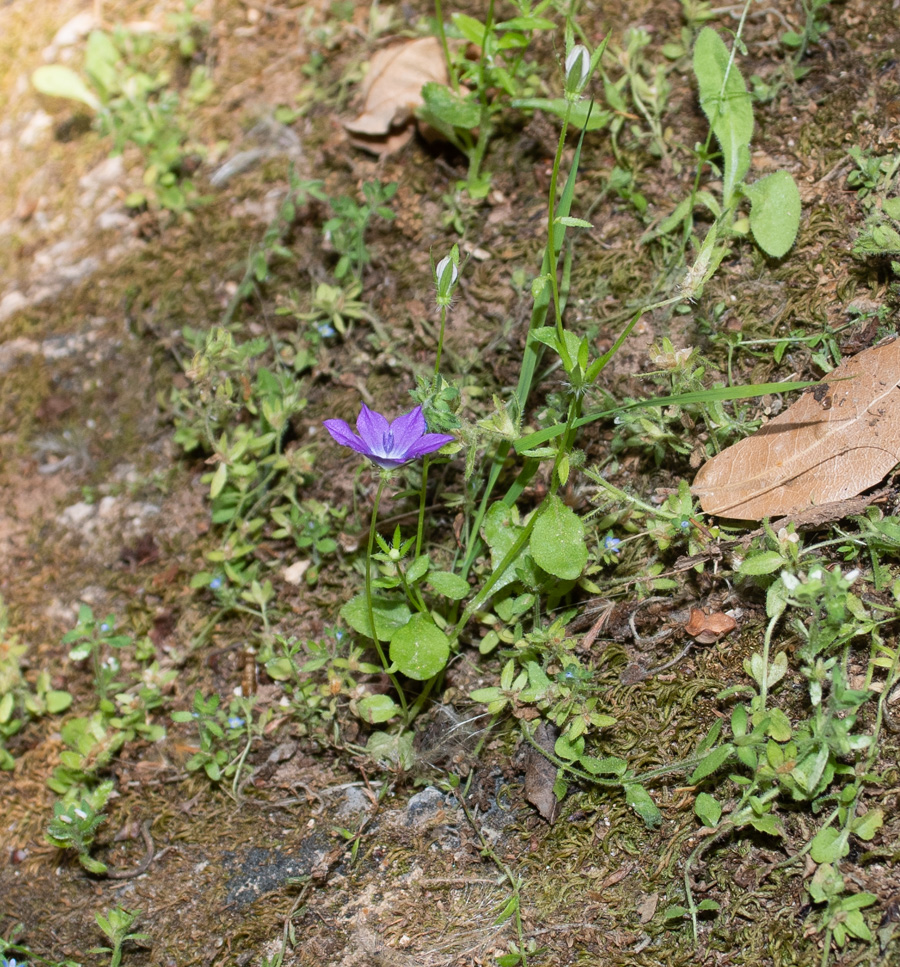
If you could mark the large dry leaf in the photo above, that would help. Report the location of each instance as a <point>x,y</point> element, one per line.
<point>838,439</point>
<point>392,91</point>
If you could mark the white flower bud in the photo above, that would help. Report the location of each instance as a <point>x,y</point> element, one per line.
<point>578,68</point>
<point>442,268</point>
<point>445,274</point>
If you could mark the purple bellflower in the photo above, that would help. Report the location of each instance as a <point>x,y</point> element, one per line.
<point>389,445</point>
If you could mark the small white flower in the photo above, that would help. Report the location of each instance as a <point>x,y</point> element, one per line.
<point>790,581</point>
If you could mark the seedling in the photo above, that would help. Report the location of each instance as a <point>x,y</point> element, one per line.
<point>74,825</point>
<point>117,926</point>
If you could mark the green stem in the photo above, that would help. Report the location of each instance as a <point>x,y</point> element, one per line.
<point>764,684</point>
<point>370,610</point>
<point>442,36</point>
<point>440,349</point>
<point>484,119</point>
<point>551,242</point>
<point>235,785</point>
<point>507,562</point>
<point>420,529</point>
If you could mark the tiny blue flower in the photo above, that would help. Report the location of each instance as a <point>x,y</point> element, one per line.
<point>611,544</point>
<point>215,584</point>
<point>9,963</point>
<point>339,636</point>
<point>235,722</point>
<point>685,524</point>
<point>388,445</point>
<point>326,330</point>
<point>104,627</point>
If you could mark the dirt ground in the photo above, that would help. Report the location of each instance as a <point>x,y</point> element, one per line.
<point>321,857</point>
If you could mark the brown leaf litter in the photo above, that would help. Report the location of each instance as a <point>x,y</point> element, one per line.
<point>840,438</point>
<point>392,91</point>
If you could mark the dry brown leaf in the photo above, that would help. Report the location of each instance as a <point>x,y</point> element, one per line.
<point>838,439</point>
<point>392,91</point>
<point>540,773</point>
<point>707,628</point>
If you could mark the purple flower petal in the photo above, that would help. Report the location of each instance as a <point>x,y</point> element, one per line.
<point>372,427</point>
<point>428,444</point>
<point>341,433</point>
<point>408,428</point>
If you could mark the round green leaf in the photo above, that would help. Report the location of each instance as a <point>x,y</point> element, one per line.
<point>58,701</point>
<point>829,845</point>
<point>420,649</point>
<point>389,615</point>
<point>449,585</point>
<point>557,541</point>
<point>376,708</point>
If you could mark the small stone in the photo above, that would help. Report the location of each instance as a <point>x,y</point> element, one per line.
<point>70,33</point>
<point>35,130</point>
<point>12,302</point>
<point>77,514</point>
<point>294,573</point>
<point>425,806</point>
<point>355,803</point>
<point>110,219</point>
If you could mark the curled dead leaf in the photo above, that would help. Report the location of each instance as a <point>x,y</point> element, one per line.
<point>392,90</point>
<point>540,773</point>
<point>838,439</point>
<point>707,628</point>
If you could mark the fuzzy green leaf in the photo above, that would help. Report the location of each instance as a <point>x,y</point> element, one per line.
<point>764,563</point>
<point>707,809</point>
<point>726,104</point>
<point>829,845</point>
<point>774,212</point>
<point>639,799</point>
<point>446,108</point>
<point>865,827</point>
<point>710,763</point>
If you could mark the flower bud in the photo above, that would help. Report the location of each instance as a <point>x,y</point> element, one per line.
<point>578,69</point>
<point>445,273</point>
